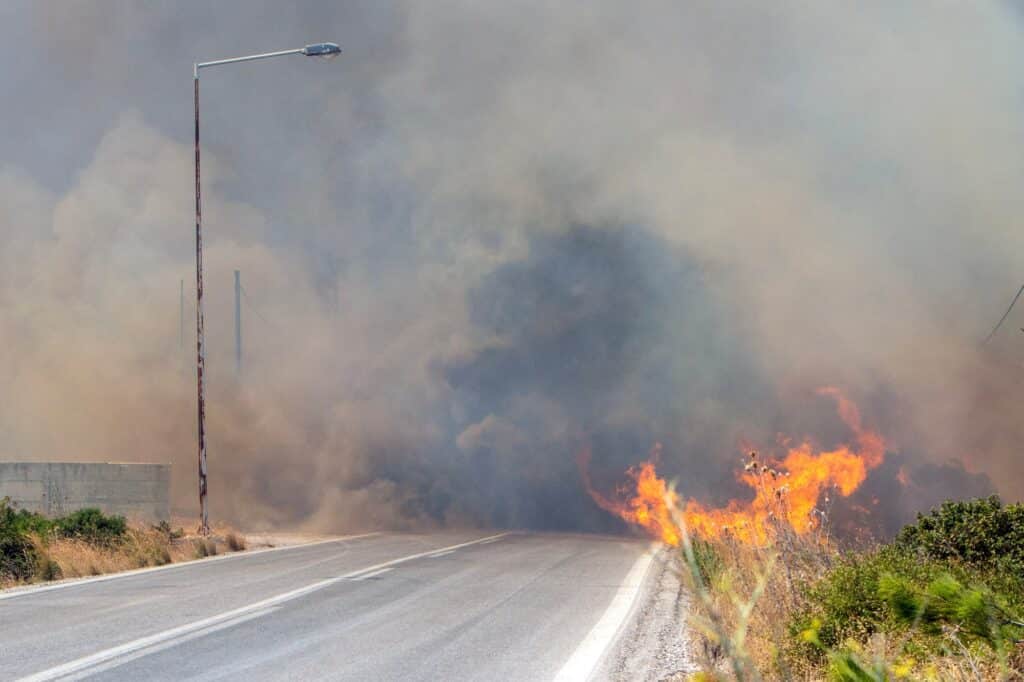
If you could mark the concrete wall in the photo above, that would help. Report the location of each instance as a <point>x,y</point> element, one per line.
<point>135,491</point>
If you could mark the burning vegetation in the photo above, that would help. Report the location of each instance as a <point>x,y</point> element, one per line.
<point>788,493</point>
<point>775,597</point>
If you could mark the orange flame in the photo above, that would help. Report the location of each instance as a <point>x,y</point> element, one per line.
<point>649,507</point>
<point>786,493</point>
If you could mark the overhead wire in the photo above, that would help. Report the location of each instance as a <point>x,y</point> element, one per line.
<point>1003,318</point>
<point>252,307</point>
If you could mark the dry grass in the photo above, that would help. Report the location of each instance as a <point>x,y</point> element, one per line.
<point>235,542</point>
<point>775,575</point>
<point>141,547</point>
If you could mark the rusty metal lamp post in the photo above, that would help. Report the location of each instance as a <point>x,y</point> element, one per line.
<point>326,51</point>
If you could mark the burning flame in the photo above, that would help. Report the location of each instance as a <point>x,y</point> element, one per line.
<point>651,506</point>
<point>786,493</point>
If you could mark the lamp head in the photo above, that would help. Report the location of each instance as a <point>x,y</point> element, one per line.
<point>324,50</point>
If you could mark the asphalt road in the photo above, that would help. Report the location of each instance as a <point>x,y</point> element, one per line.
<point>470,606</point>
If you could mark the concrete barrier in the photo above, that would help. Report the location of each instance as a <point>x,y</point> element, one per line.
<point>135,491</point>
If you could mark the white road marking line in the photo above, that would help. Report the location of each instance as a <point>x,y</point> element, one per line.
<point>588,654</point>
<point>127,648</point>
<point>487,542</point>
<point>16,592</point>
<point>450,551</point>
<point>157,648</point>
<point>382,571</point>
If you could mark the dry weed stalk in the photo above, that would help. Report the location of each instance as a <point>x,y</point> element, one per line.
<point>726,629</point>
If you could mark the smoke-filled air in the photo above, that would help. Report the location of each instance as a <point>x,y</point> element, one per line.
<point>517,264</point>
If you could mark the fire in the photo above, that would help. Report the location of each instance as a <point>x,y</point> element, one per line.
<point>786,493</point>
<point>651,506</point>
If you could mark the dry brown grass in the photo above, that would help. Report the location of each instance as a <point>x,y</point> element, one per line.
<point>776,574</point>
<point>142,546</point>
<point>235,542</point>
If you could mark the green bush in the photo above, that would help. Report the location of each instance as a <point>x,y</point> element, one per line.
<point>92,525</point>
<point>976,612</point>
<point>959,569</point>
<point>709,562</point>
<point>17,556</point>
<point>847,602</point>
<point>983,534</point>
<point>21,521</point>
<point>22,558</point>
<point>88,524</point>
<point>17,553</point>
<point>984,537</point>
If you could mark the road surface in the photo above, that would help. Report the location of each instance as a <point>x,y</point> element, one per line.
<point>453,606</point>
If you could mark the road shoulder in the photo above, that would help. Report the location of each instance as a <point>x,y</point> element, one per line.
<point>655,645</point>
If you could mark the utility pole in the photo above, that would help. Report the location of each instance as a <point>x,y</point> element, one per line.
<point>238,323</point>
<point>325,51</point>
<point>204,516</point>
<point>181,318</point>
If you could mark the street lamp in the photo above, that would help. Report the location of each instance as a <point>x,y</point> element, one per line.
<point>324,51</point>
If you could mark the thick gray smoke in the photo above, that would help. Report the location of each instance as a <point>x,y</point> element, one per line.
<point>492,233</point>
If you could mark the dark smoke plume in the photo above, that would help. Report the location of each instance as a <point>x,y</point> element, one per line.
<point>492,233</point>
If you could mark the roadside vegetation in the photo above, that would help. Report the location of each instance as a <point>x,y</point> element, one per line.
<point>34,548</point>
<point>944,600</point>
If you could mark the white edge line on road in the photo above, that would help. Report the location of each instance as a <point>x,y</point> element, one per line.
<point>584,660</point>
<point>450,551</point>
<point>174,633</point>
<point>367,576</point>
<point>15,592</point>
<point>110,665</point>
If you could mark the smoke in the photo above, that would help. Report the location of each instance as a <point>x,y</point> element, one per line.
<point>488,235</point>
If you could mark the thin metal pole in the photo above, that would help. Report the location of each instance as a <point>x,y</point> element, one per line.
<point>181,327</point>
<point>204,516</point>
<point>238,323</point>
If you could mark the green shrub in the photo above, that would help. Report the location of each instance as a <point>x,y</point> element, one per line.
<point>22,559</point>
<point>983,534</point>
<point>976,542</point>
<point>92,525</point>
<point>984,537</point>
<point>975,612</point>
<point>21,521</point>
<point>958,569</point>
<point>847,601</point>
<point>17,553</point>
<point>17,556</point>
<point>709,562</point>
